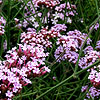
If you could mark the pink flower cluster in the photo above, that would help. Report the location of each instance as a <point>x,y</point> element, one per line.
<point>25,62</point>
<point>2,25</point>
<point>46,3</point>
<point>11,81</point>
<point>29,59</point>
<point>71,43</point>
<point>39,39</point>
<point>21,64</point>
<point>94,76</point>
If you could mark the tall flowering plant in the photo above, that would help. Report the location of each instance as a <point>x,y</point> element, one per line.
<point>45,20</point>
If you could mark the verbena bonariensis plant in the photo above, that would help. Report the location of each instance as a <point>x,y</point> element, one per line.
<point>20,65</point>
<point>29,59</point>
<point>70,44</point>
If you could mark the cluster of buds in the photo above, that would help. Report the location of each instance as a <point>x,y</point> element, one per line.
<point>2,25</point>
<point>46,3</point>
<point>40,39</point>
<point>70,44</point>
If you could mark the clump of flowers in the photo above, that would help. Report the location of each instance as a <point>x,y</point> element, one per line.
<point>20,65</point>
<point>11,81</point>
<point>94,76</point>
<point>70,44</point>
<point>92,92</point>
<point>41,38</point>
<point>28,60</point>
<point>59,27</point>
<point>90,57</point>
<point>46,3</point>
<point>2,25</point>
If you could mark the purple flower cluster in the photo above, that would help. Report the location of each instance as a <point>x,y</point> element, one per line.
<point>84,88</point>
<point>59,27</point>
<point>2,25</point>
<point>64,11</point>
<point>91,93</point>
<point>98,45</point>
<point>28,60</point>
<point>70,44</point>
<point>90,57</point>
<point>96,26</point>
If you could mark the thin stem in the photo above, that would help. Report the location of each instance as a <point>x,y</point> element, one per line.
<point>8,25</point>
<point>73,92</point>
<point>1,58</point>
<point>97,7</point>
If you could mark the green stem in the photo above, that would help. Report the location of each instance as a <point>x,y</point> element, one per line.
<point>1,58</point>
<point>2,41</point>
<point>8,25</point>
<point>73,92</point>
<point>97,7</point>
